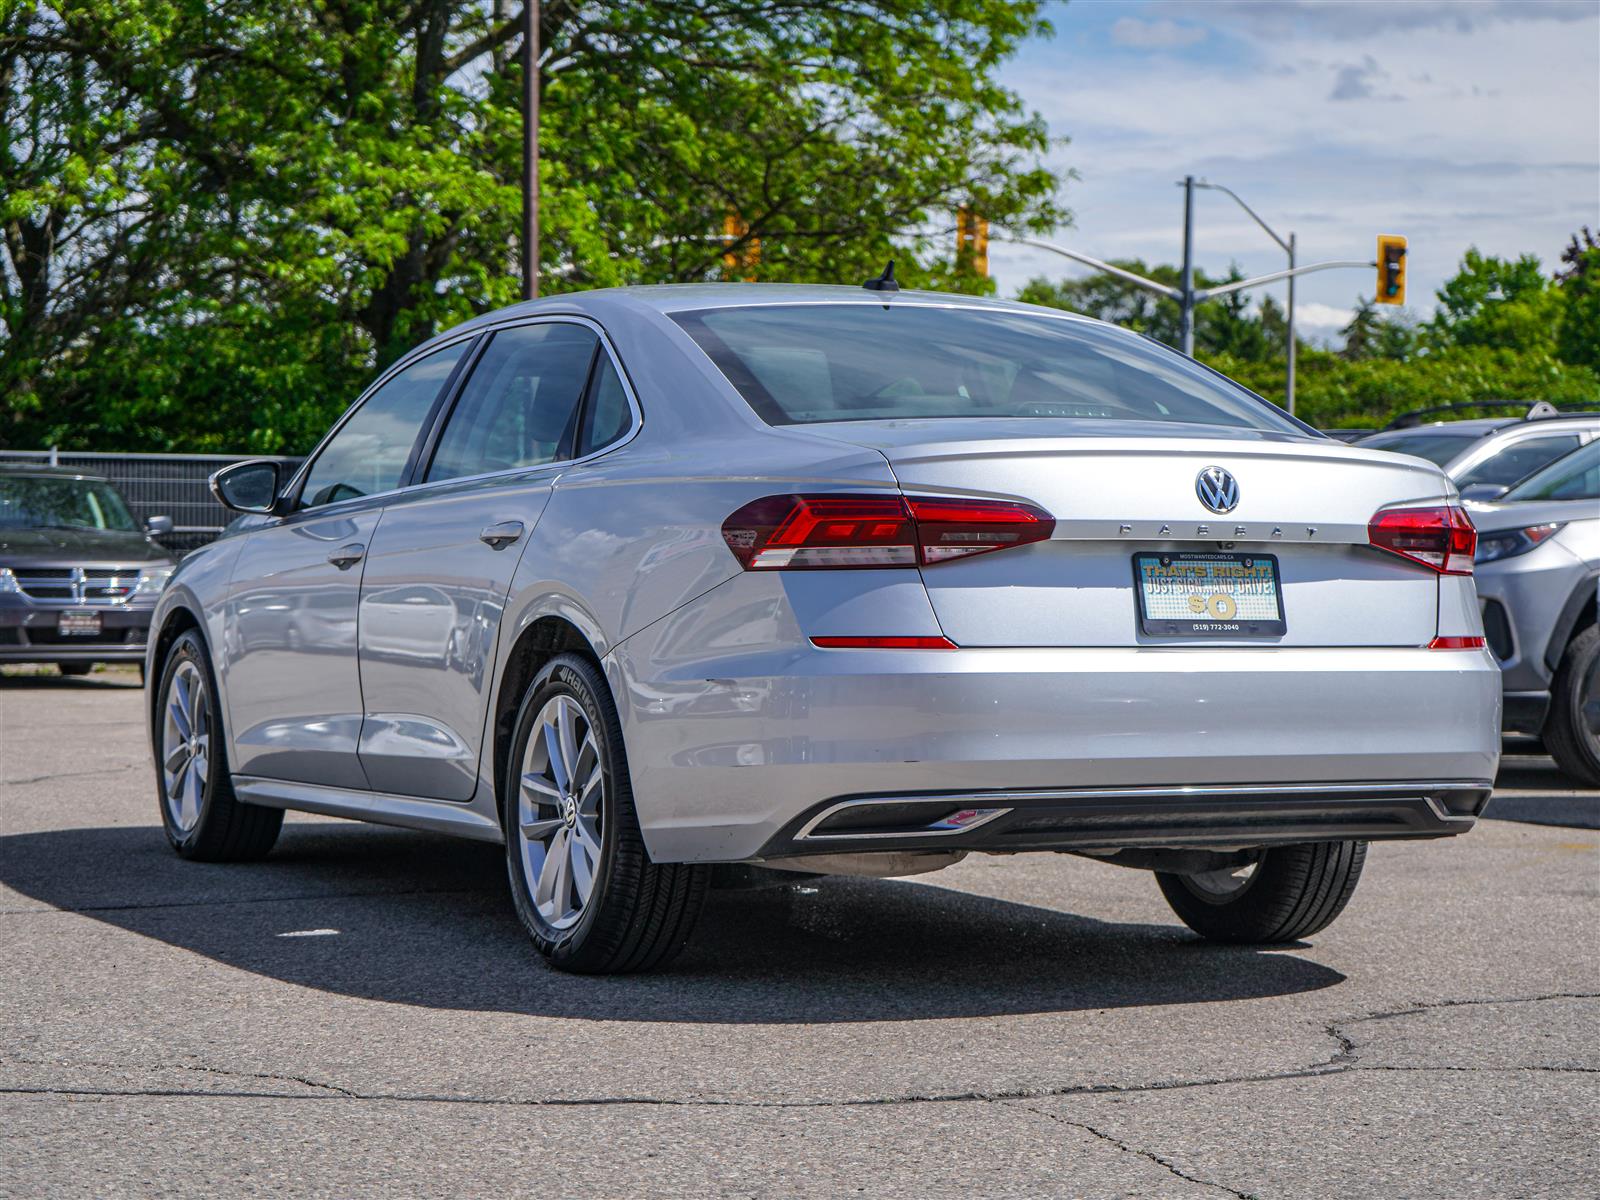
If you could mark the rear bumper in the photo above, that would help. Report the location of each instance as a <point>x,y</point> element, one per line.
<point>1212,818</point>
<point>731,756</point>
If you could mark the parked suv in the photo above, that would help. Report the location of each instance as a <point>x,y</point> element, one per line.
<point>1538,568</point>
<point>1486,456</point>
<point>78,577</point>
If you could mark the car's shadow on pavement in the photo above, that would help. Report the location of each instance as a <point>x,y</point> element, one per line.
<point>425,920</point>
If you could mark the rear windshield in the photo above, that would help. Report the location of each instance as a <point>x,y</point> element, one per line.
<point>1437,448</point>
<point>804,363</point>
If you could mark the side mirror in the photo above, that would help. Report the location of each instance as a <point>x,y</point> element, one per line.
<point>156,526</point>
<point>247,487</point>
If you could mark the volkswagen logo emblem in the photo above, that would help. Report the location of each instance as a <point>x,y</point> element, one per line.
<point>1218,490</point>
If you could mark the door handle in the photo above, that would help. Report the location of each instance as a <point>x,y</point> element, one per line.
<point>501,535</point>
<point>346,557</point>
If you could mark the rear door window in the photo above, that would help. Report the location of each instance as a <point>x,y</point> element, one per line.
<point>519,406</point>
<point>606,415</point>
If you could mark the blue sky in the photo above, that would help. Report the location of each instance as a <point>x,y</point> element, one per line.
<point>1455,124</point>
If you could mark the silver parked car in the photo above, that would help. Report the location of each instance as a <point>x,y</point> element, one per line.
<point>835,581</point>
<point>1485,456</point>
<point>1538,574</point>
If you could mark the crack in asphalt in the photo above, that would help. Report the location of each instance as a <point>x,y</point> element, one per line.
<point>1345,1059</point>
<point>197,1067</point>
<point>1136,1151</point>
<point>115,770</point>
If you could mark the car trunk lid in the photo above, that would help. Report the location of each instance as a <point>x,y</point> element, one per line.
<point>1303,503</point>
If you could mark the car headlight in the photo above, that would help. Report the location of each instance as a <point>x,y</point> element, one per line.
<point>8,581</point>
<point>1492,547</point>
<point>152,580</point>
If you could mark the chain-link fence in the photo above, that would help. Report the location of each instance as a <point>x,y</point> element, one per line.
<point>168,485</point>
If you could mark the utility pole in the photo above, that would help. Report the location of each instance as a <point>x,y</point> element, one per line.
<point>1186,321</point>
<point>530,149</point>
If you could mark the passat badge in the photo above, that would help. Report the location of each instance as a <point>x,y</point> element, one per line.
<point>1218,490</point>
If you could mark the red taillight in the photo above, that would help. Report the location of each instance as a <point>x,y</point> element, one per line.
<point>841,531</point>
<point>1441,537</point>
<point>1456,643</point>
<point>884,643</point>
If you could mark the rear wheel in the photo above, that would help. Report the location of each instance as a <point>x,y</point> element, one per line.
<point>203,818</point>
<point>581,880</point>
<point>1572,731</point>
<point>1288,893</point>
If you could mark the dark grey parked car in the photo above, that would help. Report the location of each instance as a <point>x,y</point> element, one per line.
<point>78,577</point>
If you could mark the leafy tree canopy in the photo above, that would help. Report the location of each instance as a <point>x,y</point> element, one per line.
<point>220,215</point>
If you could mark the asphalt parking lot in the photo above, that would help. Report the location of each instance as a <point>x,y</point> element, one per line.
<point>361,1014</point>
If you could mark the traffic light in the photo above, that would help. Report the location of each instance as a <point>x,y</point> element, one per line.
<point>1391,269</point>
<point>972,239</point>
<point>740,263</point>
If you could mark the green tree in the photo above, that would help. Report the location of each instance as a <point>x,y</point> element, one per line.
<point>219,216</point>
<point>1578,337</point>
<point>1497,302</point>
<point>1370,334</point>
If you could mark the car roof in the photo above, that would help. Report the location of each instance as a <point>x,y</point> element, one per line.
<point>669,298</point>
<point>1478,427</point>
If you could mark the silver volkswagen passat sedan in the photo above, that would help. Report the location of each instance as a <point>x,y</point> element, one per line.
<point>829,580</point>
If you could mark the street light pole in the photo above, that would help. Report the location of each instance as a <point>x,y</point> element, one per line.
<point>1186,316</point>
<point>530,150</point>
<point>1289,381</point>
<point>1288,248</point>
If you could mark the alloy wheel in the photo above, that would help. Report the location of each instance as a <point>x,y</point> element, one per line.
<point>1223,884</point>
<point>560,812</point>
<point>185,746</point>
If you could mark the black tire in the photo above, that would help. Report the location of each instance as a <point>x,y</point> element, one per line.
<point>1293,892</point>
<point>73,670</point>
<point>1572,730</point>
<point>639,913</point>
<point>225,830</point>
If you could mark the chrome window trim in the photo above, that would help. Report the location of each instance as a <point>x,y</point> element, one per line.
<point>437,426</point>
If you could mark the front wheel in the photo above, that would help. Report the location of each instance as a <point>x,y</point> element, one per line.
<point>203,818</point>
<point>1572,731</point>
<point>581,879</point>
<point>1287,893</point>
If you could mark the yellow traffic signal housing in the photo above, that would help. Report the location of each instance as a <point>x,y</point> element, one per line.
<point>740,262</point>
<point>972,239</point>
<point>1391,269</point>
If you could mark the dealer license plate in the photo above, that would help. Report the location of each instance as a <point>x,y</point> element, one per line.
<point>1209,595</point>
<point>79,624</point>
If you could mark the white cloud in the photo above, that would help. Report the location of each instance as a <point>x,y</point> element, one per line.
<point>1155,35</point>
<point>1355,21</point>
<point>1321,319</point>
<point>1510,166</point>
